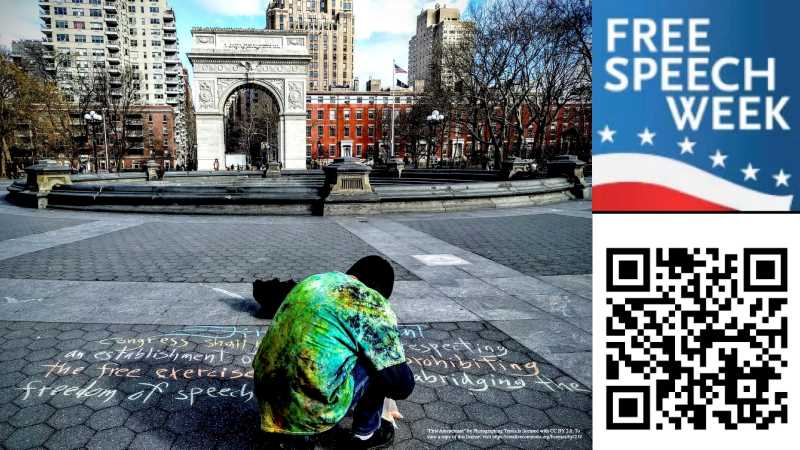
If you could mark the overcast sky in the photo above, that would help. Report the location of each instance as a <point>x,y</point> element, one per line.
<point>383,27</point>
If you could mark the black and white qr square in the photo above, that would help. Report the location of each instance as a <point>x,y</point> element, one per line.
<point>765,270</point>
<point>628,269</point>
<point>628,407</point>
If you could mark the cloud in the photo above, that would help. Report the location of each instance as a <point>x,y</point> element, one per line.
<point>383,29</point>
<point>20,21</point>
<point>394,17</point>
<point>235,7</point>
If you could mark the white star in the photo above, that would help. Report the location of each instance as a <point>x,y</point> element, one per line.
<point>750,172</point>
<point>719,159</point>
<point>646,136</point>
<point>687,146</point>
<point>782,179</point>
<point>607,135</point>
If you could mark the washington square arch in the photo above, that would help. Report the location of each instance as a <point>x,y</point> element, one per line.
<point>226,61</point>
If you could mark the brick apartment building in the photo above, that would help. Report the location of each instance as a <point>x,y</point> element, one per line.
<point>358,124</point>
<point>151,135</point>
<point>351,123</point>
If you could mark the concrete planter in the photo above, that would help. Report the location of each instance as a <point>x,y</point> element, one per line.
<point>41,179</point>
<point>347,176</point>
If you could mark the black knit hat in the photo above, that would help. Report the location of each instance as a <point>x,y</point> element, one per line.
<point>376,272</point>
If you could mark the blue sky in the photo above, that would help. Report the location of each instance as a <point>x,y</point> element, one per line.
<point>383,27</point>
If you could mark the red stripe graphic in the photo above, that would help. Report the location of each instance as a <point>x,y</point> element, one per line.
<point>647,197</point>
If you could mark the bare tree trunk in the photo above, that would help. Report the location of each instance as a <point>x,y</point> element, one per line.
<point>5,160</point>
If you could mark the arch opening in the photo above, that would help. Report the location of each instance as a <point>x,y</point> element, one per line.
<point>251,122</point>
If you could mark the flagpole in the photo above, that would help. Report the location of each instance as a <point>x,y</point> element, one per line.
<point>391,90</point>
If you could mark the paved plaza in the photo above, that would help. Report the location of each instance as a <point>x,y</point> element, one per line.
<point>137,331</point>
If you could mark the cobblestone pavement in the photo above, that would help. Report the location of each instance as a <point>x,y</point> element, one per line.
<point>199,252</point>
<point>72,385</point>
<point>542,244</point>
<point>516,311</point>
<point>14,226</point>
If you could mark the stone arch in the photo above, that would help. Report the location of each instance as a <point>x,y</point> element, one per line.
<point>227,59</point>
<point>243,83</point>
<point>225,100</point>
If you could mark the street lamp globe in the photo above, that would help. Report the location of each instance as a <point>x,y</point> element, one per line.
<point>92,119</point>
<point>435,116</point>
<point>93,116</point>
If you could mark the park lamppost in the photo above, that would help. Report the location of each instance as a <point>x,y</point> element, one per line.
<point>92,119</point>
<point>434,119</point>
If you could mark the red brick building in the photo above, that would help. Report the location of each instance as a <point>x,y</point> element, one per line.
<point>151,135</point>
<point>357,124</point>
<point>351,123</point>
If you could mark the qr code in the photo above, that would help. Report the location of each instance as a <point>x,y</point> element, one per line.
<point>696,338</point>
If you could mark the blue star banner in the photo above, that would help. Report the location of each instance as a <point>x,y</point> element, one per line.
<point>695,105</point>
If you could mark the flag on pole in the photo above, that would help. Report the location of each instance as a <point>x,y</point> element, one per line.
<point>398,69</point>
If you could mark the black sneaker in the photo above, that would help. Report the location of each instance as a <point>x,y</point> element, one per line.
<point>383,437</point>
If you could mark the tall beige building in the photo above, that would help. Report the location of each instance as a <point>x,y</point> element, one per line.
<point>118,34</point>
<point>329,24</point>
<point>436,28</point>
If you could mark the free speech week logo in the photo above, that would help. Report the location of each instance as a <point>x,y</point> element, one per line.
<point>694,106</point>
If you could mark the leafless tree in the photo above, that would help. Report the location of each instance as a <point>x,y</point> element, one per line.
<point>410,125</point>
<point>523,61</point>
<point>255,122</point>
<point>118,95</point>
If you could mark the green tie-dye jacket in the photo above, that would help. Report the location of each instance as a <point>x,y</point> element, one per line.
<point>304,363</point>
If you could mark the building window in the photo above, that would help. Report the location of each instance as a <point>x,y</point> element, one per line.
<point>62,24</point>
<point>371,131</point>
<point>358,150</point>
<point>346,131</point>
<point>320,130</point>
<point>359,114</point>
<point>320,114</point>
<point>78,12</point>
<point>97,39</point>
<point>60,11</point>
<point>308,150</point>
<point>332,131</point>
<point>308,131</point>
<point>80,38</point>
<point>308,114</point>
<point>62,37</point>
<point>358,131</point>
<point>332,114</point>
<point>95,13</point>
<point>371,114</point>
